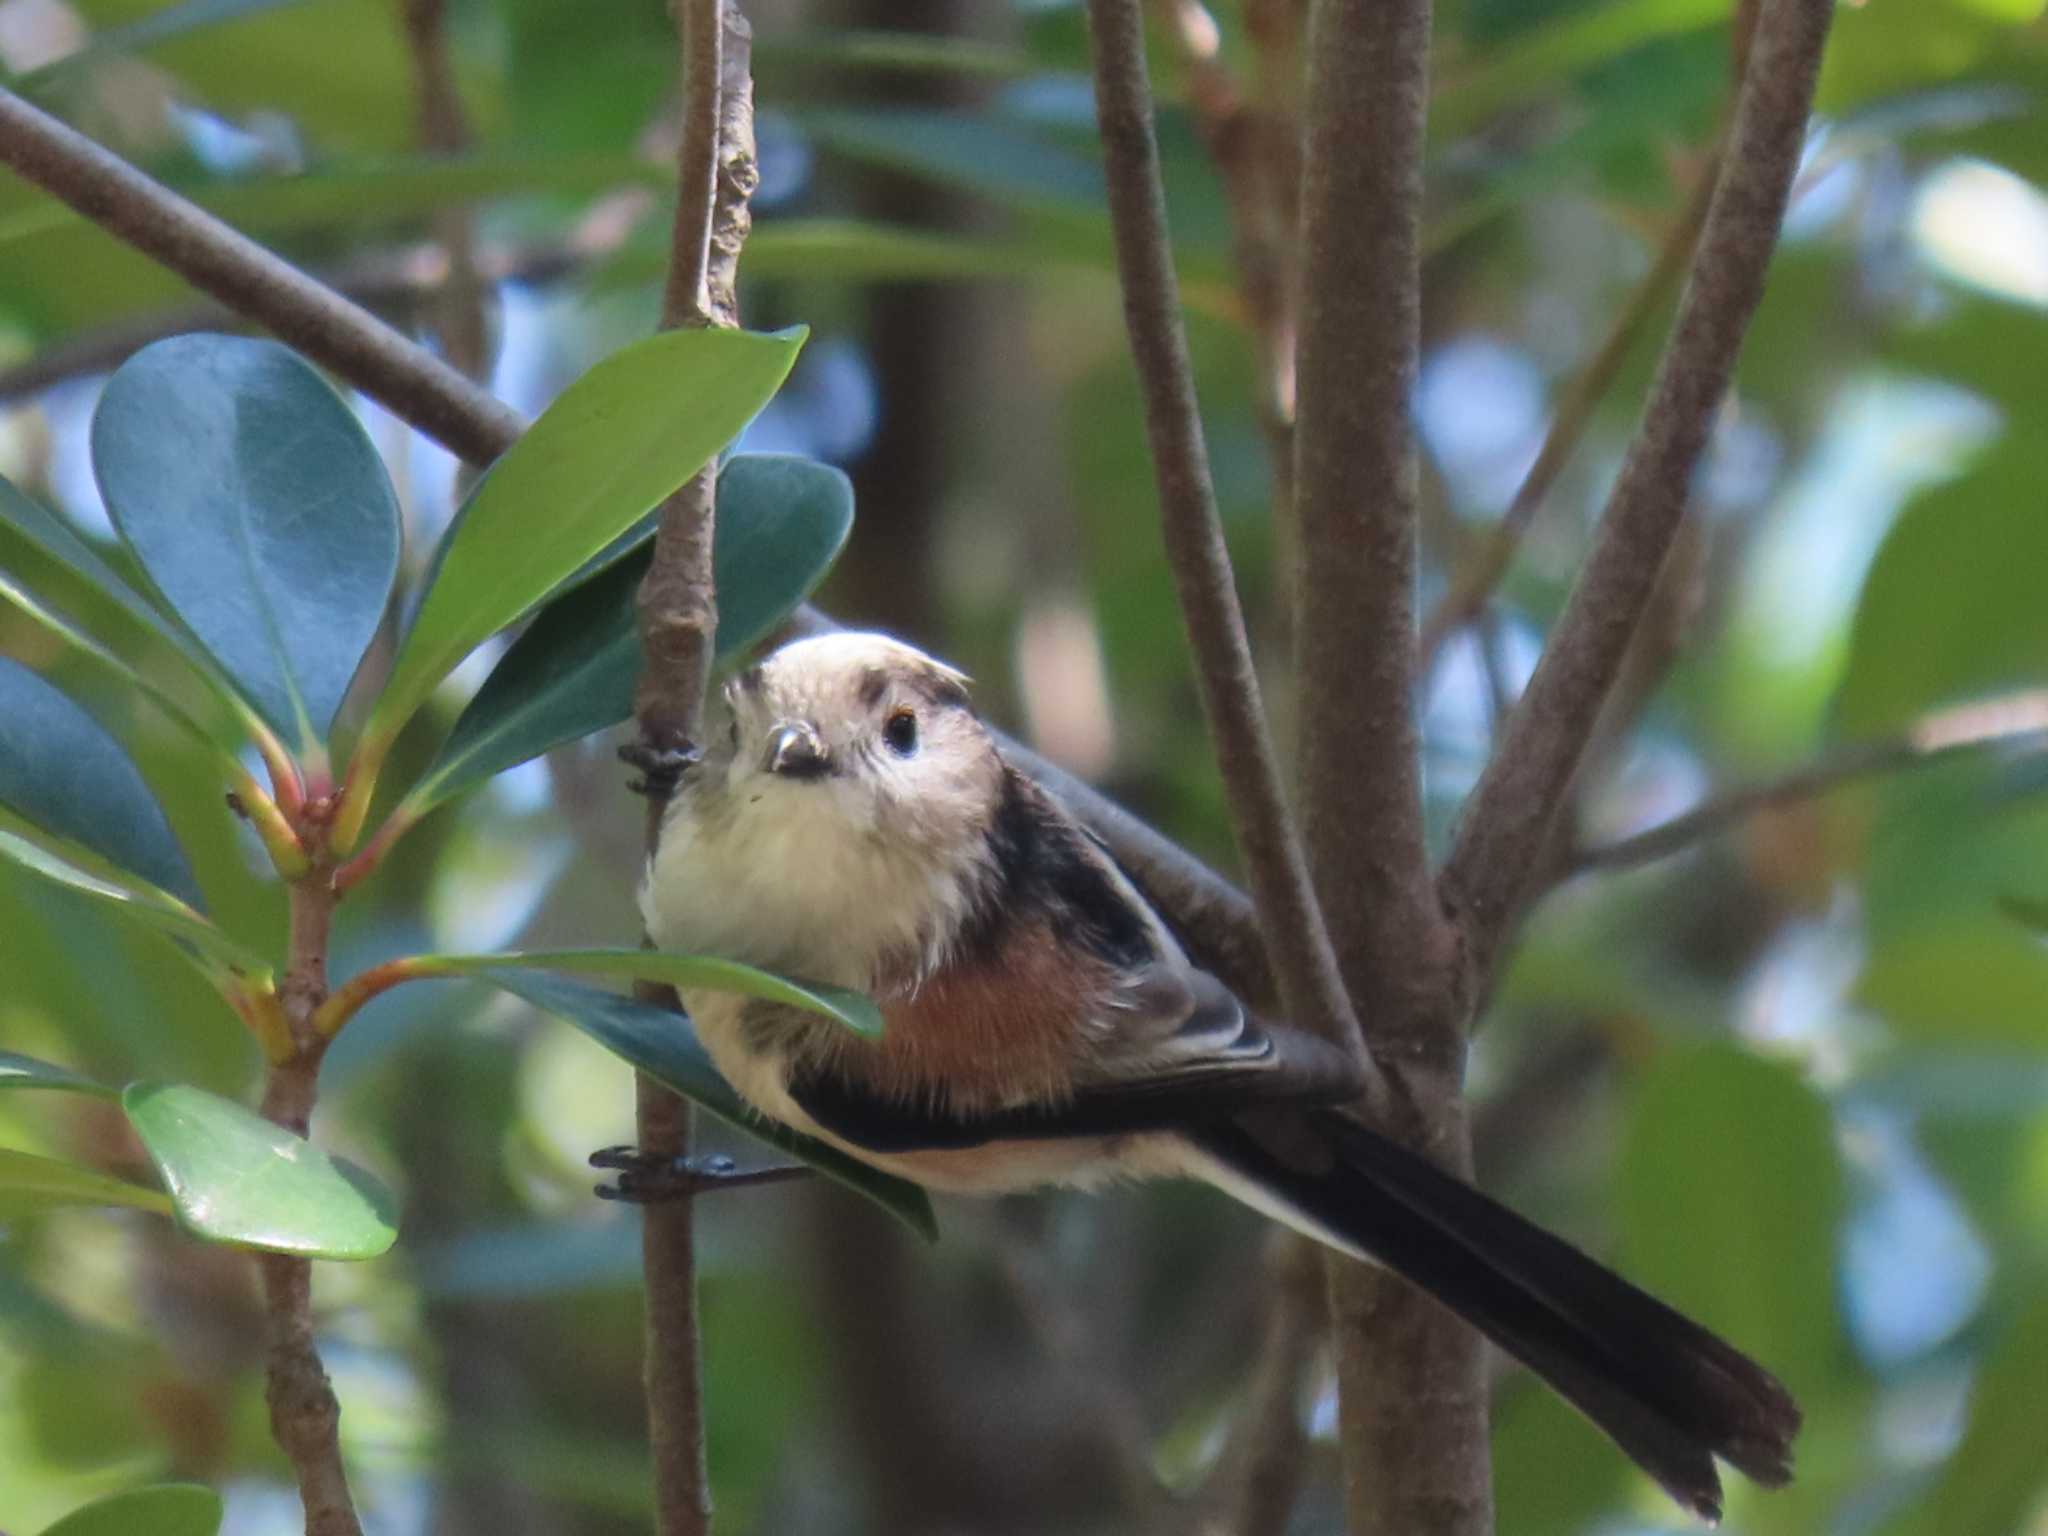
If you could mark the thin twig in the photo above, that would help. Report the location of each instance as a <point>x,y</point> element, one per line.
<point>444,130</point>
<point>715,177</point>
<point>1487,561</point>
<point>415,386</point>
<point>1304,964</point>
<point>1935,738</point>
<point>402,281</point>
<point>1500,843</point>
<point>410,381</point>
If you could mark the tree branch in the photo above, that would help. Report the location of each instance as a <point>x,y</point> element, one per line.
<point>1494,862</point>
<point>1304,964</point>
<point>1411,1379</point>
<point>413,384</point>
<point>715,176</point>
<point>1934,738</point>
<point>1488,561</point>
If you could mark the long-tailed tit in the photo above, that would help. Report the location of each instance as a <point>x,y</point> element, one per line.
<point>860,826</point>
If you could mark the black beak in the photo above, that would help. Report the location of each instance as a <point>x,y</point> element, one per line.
<point>795,751</point>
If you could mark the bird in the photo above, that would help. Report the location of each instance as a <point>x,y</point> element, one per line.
<point>857,824</point>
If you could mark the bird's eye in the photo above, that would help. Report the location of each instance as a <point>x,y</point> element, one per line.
<point>900,733</point>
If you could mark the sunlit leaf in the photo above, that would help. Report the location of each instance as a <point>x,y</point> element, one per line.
<point>256,503</point>
<point>18,1071</point>
<point>168,1509</point>
<point>665,1047</point>
<point>236,1178</point>
<point>60,771</point>
<point>29,1183</point>
<point>705,972</point>
<point>1918,642</point>
<point>614,444</point>
<point>781,523</point>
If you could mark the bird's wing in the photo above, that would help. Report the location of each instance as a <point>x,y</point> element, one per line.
<point>1165,1044</point>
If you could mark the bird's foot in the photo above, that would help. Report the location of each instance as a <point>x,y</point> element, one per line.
<point>661,767</point>
<point>648,1178</point>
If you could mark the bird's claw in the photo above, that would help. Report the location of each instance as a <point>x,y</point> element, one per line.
<point>647,1178</point>
<point>661,767</point>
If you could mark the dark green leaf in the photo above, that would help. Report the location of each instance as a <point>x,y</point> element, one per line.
<point>236,1178</point>
<point>64,774</point>
<point>29,1183</point>
<point>664,1046</point>
<point>618,440</point>
<point>168,1509</point>
<point>781,523</point>
<point>17,1071</point>
<point>1005,161</point>
<point>1731,1192</point>
<point>856,1012</point>
<point>65,864</point>
<point>255,501</point>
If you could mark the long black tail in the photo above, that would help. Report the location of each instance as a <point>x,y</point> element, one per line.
<point>1668,1392</point>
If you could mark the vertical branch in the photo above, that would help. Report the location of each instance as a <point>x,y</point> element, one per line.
<point>305,1415</point>
<point>1293,929</point>
<point>678,620</point>
<point>1412,1388</point>
<point>1507,821</point>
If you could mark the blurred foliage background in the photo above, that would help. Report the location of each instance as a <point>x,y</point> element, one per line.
<point>1794,1076</point>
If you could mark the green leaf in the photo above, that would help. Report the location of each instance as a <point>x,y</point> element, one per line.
<point>1994,1479</point>
<point>781,523</point>
<point>167,1509</point>
<point>65,775</point>
<point>18,1071</point>
<point>172,21</point>
<point>665,1047</point>
<point>60,568</point>
<point>257,505</point>
<point>1730,1196</point>
<point>136,901</point>
<point>619,439</point>
<point>1918,642</point>
<point>856,1012</point>
<point>29,1183</point>
<point>236,1178</point>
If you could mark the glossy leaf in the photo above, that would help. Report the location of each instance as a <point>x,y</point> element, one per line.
<point>236,1178</point>
<point>618,440</point>
<point>257,505</point>
<point>62,570</point>
<point>665,1047</point>
<point>781,523</point>
<point>29,1183</point>
<point>167,1509</point>
<point>705,972</point>
<point>135,901</point>
<point>18,1071</point>
<point>63,773</point>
